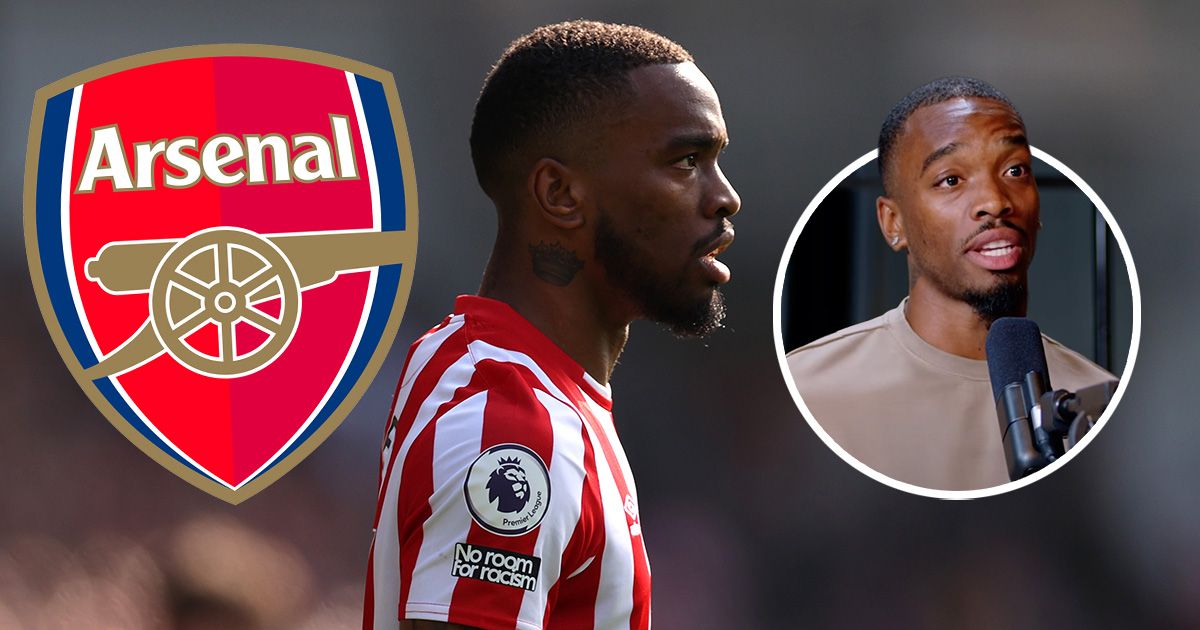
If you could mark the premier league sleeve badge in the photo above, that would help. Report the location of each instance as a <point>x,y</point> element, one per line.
<point>221,240</point>
<point>507,490</point>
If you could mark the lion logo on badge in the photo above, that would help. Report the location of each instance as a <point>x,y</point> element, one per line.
<point>222,239</point>
<point>507,489</point>
<point>508,486</point>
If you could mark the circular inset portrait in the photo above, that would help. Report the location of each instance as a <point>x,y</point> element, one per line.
<point>957,312</point>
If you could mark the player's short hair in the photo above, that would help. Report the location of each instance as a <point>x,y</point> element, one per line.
<point>932,93</point>
<point>557,76</point>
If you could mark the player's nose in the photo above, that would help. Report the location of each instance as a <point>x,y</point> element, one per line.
<point>723,200</point>
<point>991,199</point>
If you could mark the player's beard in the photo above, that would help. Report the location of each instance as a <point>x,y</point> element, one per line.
<point>1005,299</point>
<point>661,299</point>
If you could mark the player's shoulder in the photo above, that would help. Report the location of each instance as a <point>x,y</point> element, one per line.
<point>473,376</point>
<point>434,348</point>
<point>462,341</point>
<point>1061,358</point>
<point>488,380</point>
<point>837,344</point>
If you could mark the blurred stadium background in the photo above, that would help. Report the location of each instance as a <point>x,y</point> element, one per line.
<point>750,521</point>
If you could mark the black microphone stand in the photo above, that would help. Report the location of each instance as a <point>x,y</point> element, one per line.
<point>1040,421</point>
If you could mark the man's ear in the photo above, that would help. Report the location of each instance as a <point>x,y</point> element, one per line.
<point>891,223</point>
<point>558,193</point>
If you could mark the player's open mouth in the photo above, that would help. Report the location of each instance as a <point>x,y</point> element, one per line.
<point>996,249</point>
<point>717,252</point>
<point>708,258</point>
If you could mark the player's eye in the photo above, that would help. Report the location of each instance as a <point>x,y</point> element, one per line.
<point>949,181</point>
<point>687,163</point>
<point>1017,170</point>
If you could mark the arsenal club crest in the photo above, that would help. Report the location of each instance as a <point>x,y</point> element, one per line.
<point>222,241</point>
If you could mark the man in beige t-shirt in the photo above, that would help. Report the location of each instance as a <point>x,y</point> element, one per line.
<point>908,393</point>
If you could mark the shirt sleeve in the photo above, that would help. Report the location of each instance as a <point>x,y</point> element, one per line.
<point>488,542</point>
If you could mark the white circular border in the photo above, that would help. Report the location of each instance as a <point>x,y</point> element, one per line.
<point>777,329</point>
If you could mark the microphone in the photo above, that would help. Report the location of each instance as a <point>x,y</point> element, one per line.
<point>1017,367</point>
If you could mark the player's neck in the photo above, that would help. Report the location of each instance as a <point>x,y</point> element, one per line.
<point>946,323</point>
<point>566,313</point>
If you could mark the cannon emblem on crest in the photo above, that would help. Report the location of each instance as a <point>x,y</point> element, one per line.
<point>229,277</point>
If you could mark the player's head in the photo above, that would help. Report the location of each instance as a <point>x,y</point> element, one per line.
<point>959,194</point>
<point>598,144</point>
<point>548,90</point>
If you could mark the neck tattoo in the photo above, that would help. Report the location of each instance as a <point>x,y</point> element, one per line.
<point>554,264</point>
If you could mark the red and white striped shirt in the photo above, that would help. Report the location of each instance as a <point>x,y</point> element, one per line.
<point>505,499</point>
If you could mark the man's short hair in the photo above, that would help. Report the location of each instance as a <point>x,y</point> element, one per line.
<point>932,93</point>
<point>555,77</point>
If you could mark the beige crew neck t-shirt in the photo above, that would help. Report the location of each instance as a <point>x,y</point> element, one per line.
<point>911,411</point>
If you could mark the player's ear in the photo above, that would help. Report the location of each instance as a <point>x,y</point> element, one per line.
<point>558,193</point>
<point>891,223</point>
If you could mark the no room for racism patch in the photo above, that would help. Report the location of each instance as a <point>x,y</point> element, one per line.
<point>496,566</point>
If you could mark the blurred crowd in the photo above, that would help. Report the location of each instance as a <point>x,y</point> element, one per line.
<point>207,574</point>
<point>93,534</point>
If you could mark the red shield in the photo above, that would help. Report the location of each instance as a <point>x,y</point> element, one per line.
<point>222,240</point>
